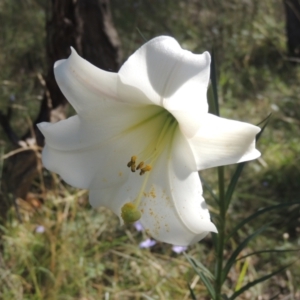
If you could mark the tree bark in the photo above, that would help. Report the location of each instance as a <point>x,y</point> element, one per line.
<point>292,9</point>
<point>87,26</point>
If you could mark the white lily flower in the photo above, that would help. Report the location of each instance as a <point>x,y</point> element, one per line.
<point>141,135</point>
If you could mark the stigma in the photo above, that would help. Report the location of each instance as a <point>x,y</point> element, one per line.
<point>130,213</point>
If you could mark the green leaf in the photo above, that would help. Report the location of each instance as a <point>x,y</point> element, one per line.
<point>233,182</point>
<point>209,189</point>
<point>214,237</point>
<point>255,215</point>
<point>266,120</point>
<point>268,251</point>
<point>240,167</point>
<point>203,273</point>
<point>263,128</point>
<point>253,283</point>
<point>213,92</point>
<point>198,265</point>
<point>208,285</point>
<point>237,251</point>
<point>141,34</point>
<point>193,296</point>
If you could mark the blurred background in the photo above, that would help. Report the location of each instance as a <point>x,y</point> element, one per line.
<point>53,245</point>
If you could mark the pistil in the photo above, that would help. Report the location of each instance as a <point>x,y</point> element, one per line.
<point>129,211</point>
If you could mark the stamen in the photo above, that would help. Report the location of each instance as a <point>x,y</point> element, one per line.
<point>140,165</point>
<point>130,213</point>
<point>147,158</point>
<point>145,169</point>
<point>131,164</point>
<point>133,168</point>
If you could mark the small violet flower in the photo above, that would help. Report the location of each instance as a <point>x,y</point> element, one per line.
<point>40,229</point>
<point>179,249</point>
<point>138,226</point>
<point>141,135</point>
<point>148,243</point>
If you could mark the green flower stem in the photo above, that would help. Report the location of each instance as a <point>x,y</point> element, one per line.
<point>221,234</point>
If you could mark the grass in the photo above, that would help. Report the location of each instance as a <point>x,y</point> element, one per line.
<point>83,253</point>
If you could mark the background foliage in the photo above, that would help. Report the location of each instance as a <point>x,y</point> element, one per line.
<point>83,253</point>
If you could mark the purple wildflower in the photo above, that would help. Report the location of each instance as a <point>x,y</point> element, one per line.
<point>179,249</point>
<point>138,226</point>
<point>147,243</point>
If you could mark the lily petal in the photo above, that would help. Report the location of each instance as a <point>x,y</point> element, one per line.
<point>221,142</point>
<point>76,162</point>
<point>82,151</point>
<point>83,84</point>
<point>169,76</point>
<point>173,209</point>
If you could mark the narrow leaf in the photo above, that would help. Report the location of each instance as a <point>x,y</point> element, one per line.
<point>208,285</point>
<point>266,120</point>
<point>233,183</point>
<point>214,237</point>
<point>242,275</point>
<point>141,34</point>
<point>253,283</point>
<point>209,189</point>
<point>237,251</point>
<point>193,296</point>
<point>240,167</point>
<point>268,251</point>
<point>256,214</point>
<point>198,265</point>
<point>214,105</point>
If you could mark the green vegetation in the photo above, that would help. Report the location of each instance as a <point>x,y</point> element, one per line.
<point>83,253</point>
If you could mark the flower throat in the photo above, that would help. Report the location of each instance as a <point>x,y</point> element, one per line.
<point>129,211</point>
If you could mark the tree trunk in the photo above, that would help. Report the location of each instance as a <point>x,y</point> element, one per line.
<point>87,26</point>
<point>292,9</point>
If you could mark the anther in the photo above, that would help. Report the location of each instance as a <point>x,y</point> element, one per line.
<point>145,169</point>
<point>140,165</point>
<point>133,167</point>
<point>131,164</point>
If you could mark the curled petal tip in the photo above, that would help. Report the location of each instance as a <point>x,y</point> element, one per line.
<point>213,228</point>
<point>59,62</point>
<point>207,56</point>
<point>73,50</point>
<point>43,125</point>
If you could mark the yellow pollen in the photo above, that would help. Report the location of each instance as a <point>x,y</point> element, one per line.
<point>140,165</point>
<point>133,168</point>
<point>147,158</point>
<point>145,169</point>
<point>131,164</point>
<point>130,213</point>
